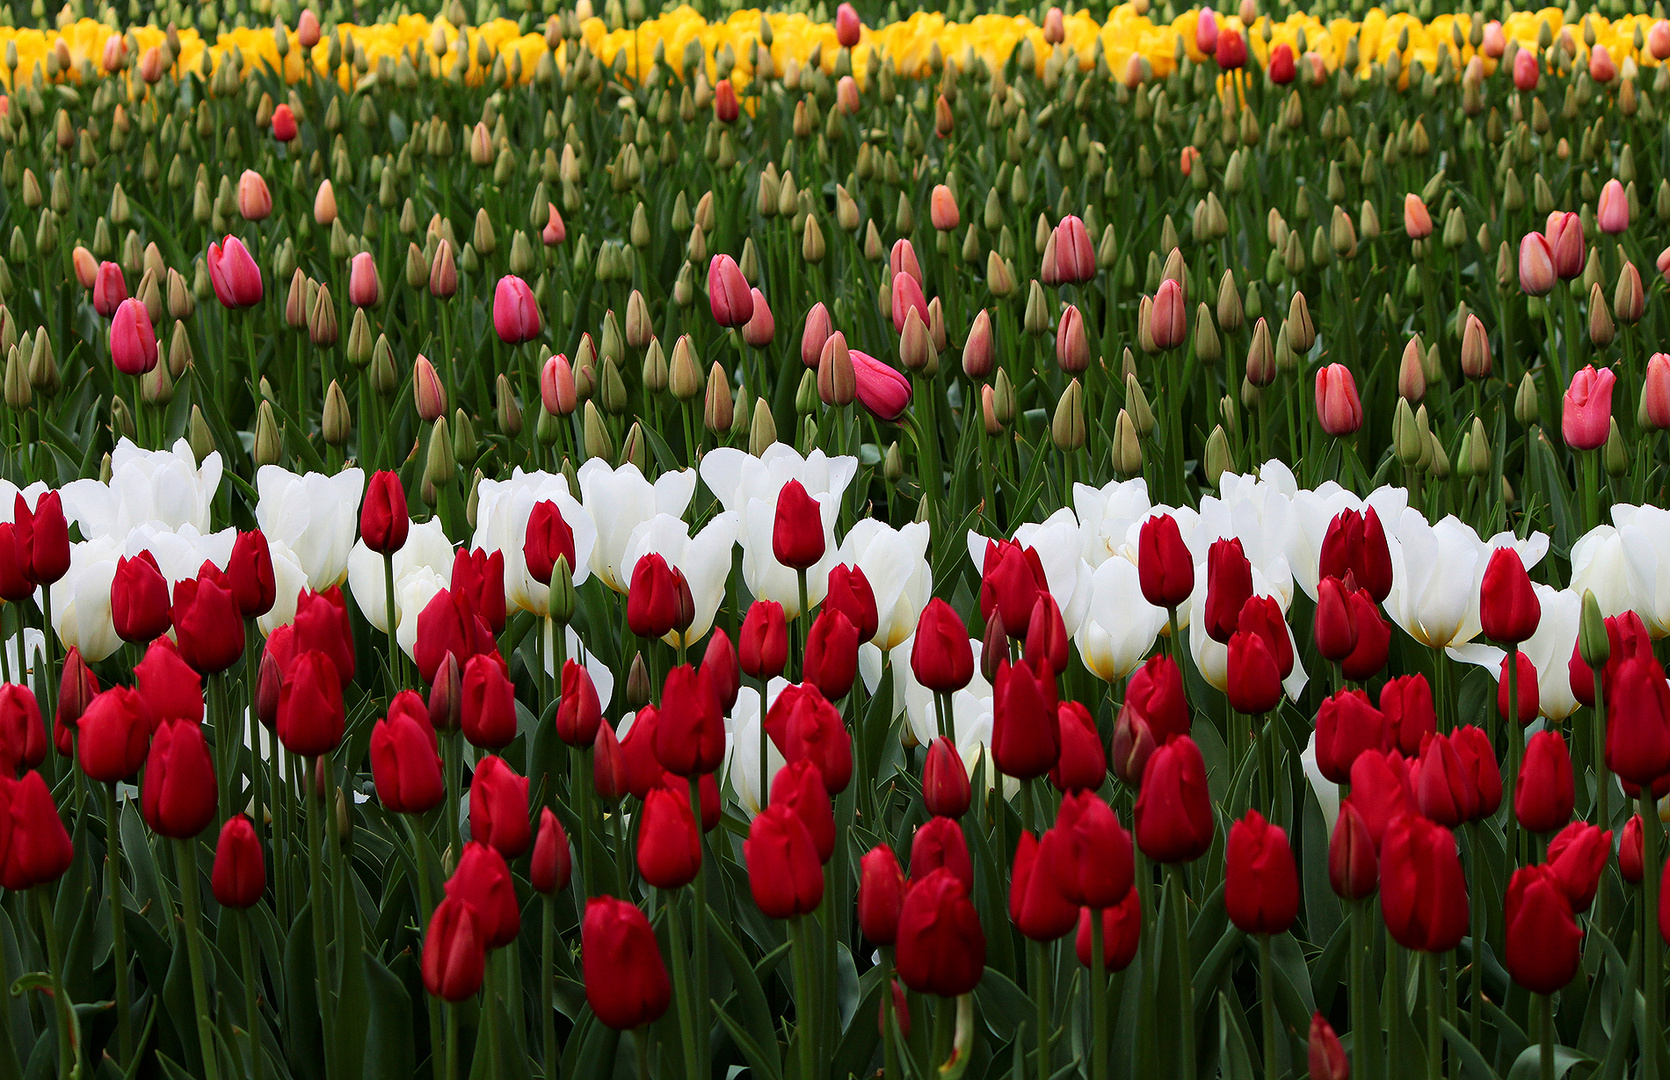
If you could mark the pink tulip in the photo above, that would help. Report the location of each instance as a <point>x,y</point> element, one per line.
<point>847,25</point>
<point>515,312</point>
<point>728,295</point>
<point>255,202</point>
<point>1075,258</point>
<point>1338,407</point>
<point>1601,67</point>
<point>902,260</point>
<point>1536,265</point>
<point>1612,215</point>
<point>1495,41</point>
<point>907,294</point>
<point>556,386</point>
<point>1206,32</point>
<point>115,53</point>
<point>1655,392</point>
<point>1658,40</point>
<point>1417,222</point>
<point>846,94</point>
<point>1587,419</point>
<point>1072,347</point>
<point>109,289</point>
<point>555,232</point>
<point>813,334</point>
<point>365,289</point>
<point>133,343</point>
<point>307,29</point>
<point>1565,240</point>
<point>760,327</point>
<point>882,389</point>
<point>1168,324</point>
<point>1525,71</point>
<point>233,273</point>
<point>942,209</point>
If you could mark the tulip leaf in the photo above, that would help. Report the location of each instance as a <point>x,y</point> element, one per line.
<point>750,1001</point>
<point>389,1038</point>
<point>1528,1066</point>
<point>1323,915</point>
<point>1233,1057</point>
<point>301,1014</point>
<point>758,1059</point>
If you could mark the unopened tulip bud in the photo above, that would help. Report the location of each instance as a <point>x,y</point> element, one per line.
<point>1629,302</point>
<point>255,202</point>
<point>837,382</point>
<point>1127,451</point>
<point>1000,279</point>
<point>762,431</point>
<point>980,351</point>
<point>684,373</point>
<point>916,347</point>
<point>336,423</point>
<point>1231,315</point>
<point>1601,328</point>
<point>441,465</point>
<point>718,410</point>
<point>639,328</point>
<point>1616,454</point>
<point>267,443</point>
<point>1067,427</point>
<point>1136,403</point>
<point>1218,460</point>
<point>655,373</point>
<point>597,442</point>
<point>324,204</point>
<point>1411,373</point>
<point>1475,349</point>
<point>988,411</point>
<point>1526,408</point>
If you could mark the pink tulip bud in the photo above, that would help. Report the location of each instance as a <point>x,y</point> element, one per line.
<point>556,386</point>
<point>1612,215</point>
<point>427,390</point>
<point>979,351</point>
<point>1072,348</point>
<point>324,204</point>
<point>1186,161</point>
<point>481,145</point>
<point>115,53</point>
<point>365,289</point>
<point>1601,67</point>
<point>307,29</point>
<point>152,66</point>
<point>907,296</point>
<point>1495,42</point>
<point>1134,71</point>
<point>1055,27</point>
<point>1411,373</point>
<point>942,209</point>
<point>443,274</point>
<point>515,312</point>
<point>86,267</point>
<point>1587,417</point>
<point>1526,71</point>
<point>1075,256</point>
<point>1417,223</point>
<point>1475,349</point>
<point>255,202</point>
<point>847,25</point>
<point>813,334</point>
<point>284,124</point>
<point>1167,324</point>
<point>902,260</point>
<point>725,105</point>
<point>1206,32</point>
<point>109,289</point>
<point>234,275</point>
<point>1655,393</point>
<point>882,389</point>
<point>760,327</point>
<point>1338,407</point>
<point>846,94</point>
<point>555,232</point>
<point>1536,265</point>
<point>133,343</point>
<point>728,294</point>
<point>1658,40</point>
<point>1565,240</point>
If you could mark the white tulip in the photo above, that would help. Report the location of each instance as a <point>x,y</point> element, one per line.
<point>971,707</point>
<point>1549,649</point>
<point>1644,532</point>
<point>412,594</point>
<point>316,516</point>
<point>1260,514</point>
<point>703,559</point>
<point>180,553</point>
<point>737,478</point>
<point>289,580</point>
<point>1436,574</point>
<point>743,727</point>
<point>1107,514</point>
<point>1119,625</point>
<point>426,548</point>
<point>618,501</point>
<point>502,511</point>
<point>1599,564</point>
<point>81,599</point>
<point>162,486</point>
<point>602,678</point>
<point>895,563</point>
<point>768,579</point>
<point>1212,657</point>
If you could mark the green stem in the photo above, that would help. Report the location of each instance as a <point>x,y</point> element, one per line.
<point>1434,1012</point>
<point>802,994</point>
<point>118,931</point>
<point>185,858</point>
<point>252,978</point>
<point>319,907</point>
<point>397,674</point>
<point>681,980</point>
<point>1267,967</point>
<point>1180,930</point>
<point>69,1054</point>
<point>1652,965</point>
<point>1545,1021</point>
<point>698,934</point>
<point>547,1011</point>
<point>1098,999</point>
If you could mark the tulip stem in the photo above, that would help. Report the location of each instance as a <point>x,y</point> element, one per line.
<point>1475,972</point>
<point>764,795</point>
<point>1516,753</point>
<point>316,902</point>
<point>1185,970</point>
<point>426,912</point>
<point>802,993</point>
<point>547,1011</point>
<point>185,858</point>
<point>698,931</point>
<point>1364,1042</point>
<point>397,675</point>
<point>451,1040</point>
<point>252,677</point>
<point>1434,1012</point>
<point>580,786</point>
<point>685,993</point>
<point>1652,965</point>
<point>1545,1022</point>
<point>1098,1000</point>
<point>1040,998</point>
<point>1603,781</point>
<point>69,1054</point>
<point>802,626</point>
<point>252,978</point>
<point>454,756</point>
<point>118,931</point>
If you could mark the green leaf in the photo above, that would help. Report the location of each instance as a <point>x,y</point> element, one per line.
<point>1233,1057</point>
<point>749,997</point>
<point>1528,1066</point>
<point>1003,1005</point>
<point>389,1039</point>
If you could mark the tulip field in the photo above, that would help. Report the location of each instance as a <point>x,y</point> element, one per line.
<point>575,541</point>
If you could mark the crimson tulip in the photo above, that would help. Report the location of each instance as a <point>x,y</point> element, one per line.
<point>22,731</point>
<point>803,724</point>
<point>799,786</point>
<point>208,625</point>
<point>881,893</point>
<point>499,807</point>
<point>763,645</point>
<point>1543,793</point>
<point>669,847</point>
<point>171,690</point>
<point>1353,862</point>
<point>626,979</point>
<point>724,674</point>
<point>1325,1058</point>
<point>1577,855</point>
<point>113,735</point>
<point>250,570</point>
<point>945,786</point>
<point>1508,607</point>
<point>547,539</point>
<point>831,661</point>
<point>939,842</point>
<point>178,795</point>
<point>1261,881</point>
<point>579,710</point>
<point>797,535</point>
<point>941,948</point>
<point>1096,868</point>
<point>1355,544</point>
<point>240,872</point>
<point>1638,721</point>
<point>652,598</point>
<point>1026,738</point>
<point>849,593</point>
<point>139,603</point>
<point>1011,578</point>
<point>941,657</point>
<point>1165,567</point>
<point>1380,791</point>
<point>310,710</point>
<point>39,848</point>
<point>478,577</point>
<point>384,520</point>
<point>482,880</point>
<point>1228,587</point>
<point>405,758</point>
<point>1346,725</point>
<point>487,708</point>
<point>785,874</point>
<point>1083,763</point>
<point>552,862</point>
<point>1544,944</point>
<point>1038,906</point>
<point>1406,702</point>
<point>690,738</point>
<point>454,952</point>
<point>1174,810</point>
<point>448,625</point>
<point>1423,895</point>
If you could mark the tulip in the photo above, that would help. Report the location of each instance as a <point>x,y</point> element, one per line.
<point>1282,67</point>
<point>1121,933</point>
<point>937,843</point>
<point>799,787</point>
<point>1261,881</point>
<point>1174,810</point>
<point>626,980</point>
<point>1423,894</point>
<point>690,739</point>
<point>1164,564</point>
<point>1417,223</point>
<point>39,849</point>
<point>239,876</point>
<point>784,873</point>
<point>1443,788</point>
<point>945,786</point>
<point>1095,867</point>
<point>1655,390</point>
<point>1254,676</point>
<point>579,710</point>
<point>405,762</point>
<point>516,315</point>
<point>110,289</point>
<point>22,731</point>
<point>284,124</point>
<point>1037,905</point>
<point>941,949</point>
<point>113,735</point>
<point>1355,544</point>
<point>321,624</point>
<point>1509,610</point>
<point>548,538</point>
<point>234,275</point>
<point>552,862</point>
<point>1167,323</point>
<point>250,570</point>
<point>1338,408</point>
<point>324,204</point>
<point>881,893</point>
<point>208,627</point>
<point>729,296</point>
<point>1380,791</point>
<point>1577,855</point>
<point>1353,862</point>
<point>483,881</point>
<point>1565,239</point>
<point>882,389</point>
<point>178,795</point>
<point>1072,347</point>
<point>1232,49</point>
<point>1346,725</point>
<point>831,661</point>
<point>1325,1056</point>
<point>554,232</point>
<point>133,344</point>
<point>1536,265</point>
<point>44,532</point>
<point>365,288</point>
<point>797,537</point>
<point>1638,722</point>
<point>669,847</point>
<point>1025,743</point>
<point>763,644</point>
<point>760,328</point>
<point>384,520</point>
<point>803,724</point>
<point>1630,851</point>
<point>726,108</point>
<point>488,709</point>
<point>847,26</point>
<point>941,658</point>
<point>1612,212</point>
<point>1075,255</point>
<point>942,209</point>
<point>1155,694</point>
<point>454,951</point>
<point>1335,627</point>
<point>1544,944</point>
<point>1587,416</point>
<point>1083,763</point>
<point>255,202</point>
<point>139,604</point>
<point>1543,791</point>
<point>499,807</point>
<point>1206,32</point>
<point>310,710</point>
<point>652,598</point>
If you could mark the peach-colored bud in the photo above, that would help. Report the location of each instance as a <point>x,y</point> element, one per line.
<point>944,122</point>
<point>427,390</point>
<point>905,299</point>
<point>481,145</point>
<point>1526,71</point>
<point>1049,268</point>
<point>1663,264</point>
<point>324,204</point>
<point>86,267</point>
<point>1475,349</point>
<point>365,288</point>
<point>1248,12</point>
<point>1206,32</point>
<point>725,105</point>
<point>1495,41</point>
<point>1338,408</point>
<point>443,272</point>
<point>1601,67</point>
<point>555,232</point>
<point>255,202</point>
<point>1075,256</point>
<point>980,351</point>
<point>1612,214</point>
<point>942,209</point>
<point>1168,321</point>
<point>1411,372</point>
<point>307,29</point>
<point>1536,265</point>
<point>1416,221</point>
<point>115,53</point>
<point>846,94</point>
<point>152,66</point>
<point>1055,27</point>
<point>902,260</point>
<point>556,386</point>
<point>988,410</point>
<point>1186,160</point>
<point>813,334</point>
<point>1072,348</point>
<point>1655,392</point>
<point>1565,239</point>
<point>1318,68</point>
<point>837,378</point>
<point>1658,40</point>
<point>1629,300</point>
<point>847,25</point>
<point>760,327</point>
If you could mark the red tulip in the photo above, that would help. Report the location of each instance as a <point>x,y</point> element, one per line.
<point>548,538</point>
<point>110,288</point>
<point>1261,882</point>
<point>803,724</point>
<point>690,738</point>
<point>723,673</point>
<point>1508,607</point>
<point>652,598</point>
<point>1374,638</point>
<point>1075,256</point>
<point>22,731</point>
<point>1174,811</point>
<point>941,948</point>
<point>1544,945</point>
<point>1254,677</point>
<point>310,710</point>
<point>39,849</point>
<point>1037,905</point>
<point>1353,862</point>
<point>1168,323</point>
<point>1232,49</point>
<point>1441,784</point>
<point>939,842</point>
<point>552,863</point>
<point>77,686</point>
<point>1228,588</point>
<point>1325,1057</point>
<point>113,736</point>
<point>1565,238</point>
<point>1543,792</point>
<point>882,389</point>
<point>881,893</point>
<point>831,654</point>
<point>785,875</point>
<point>482,880</point>
<point>763,645</point>
<point>1121,933</point>
<point>579,711</point>
<point>1334,628</point>
<point>669,847</point>
<point>1346,725</point>
<point>499,807</point>
<point>608,766</point>
<point>208,627</point>
<point>1577,855</point>
<point>284,124</point>
<point>626,980</point>
<point>240,872</point>
<point>799,786</point>
<point>478,577</point>
<point>1046,636</point>
<point>405,760</point>
<point>1095,868</point>
<point>1083,763</point>
<point>454,952</point>
<point>1630,851</point>
<point>178,795</point>
<point>384,519</point>
<point>642,769</point>
<point>945,784</point>
<point>726,108</point>
<point>1355,543</point>
<point>1011,579</point>
<point>1281,67</point>
<point>1423,895</point>
<point>941,657</point>
<point>250,570</point>
<point>139,603</point>
<point>1165,567</point>
<point>1026,739</point>
<point>488,704</point>
<point>847,26</point>
<point>849,593</point>
<point>45,533</point>
<point>1638,721</point>
<point>1380,791</point>
<point>797,536</point>
<point>1406,702</point>
<point>449,626</point>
